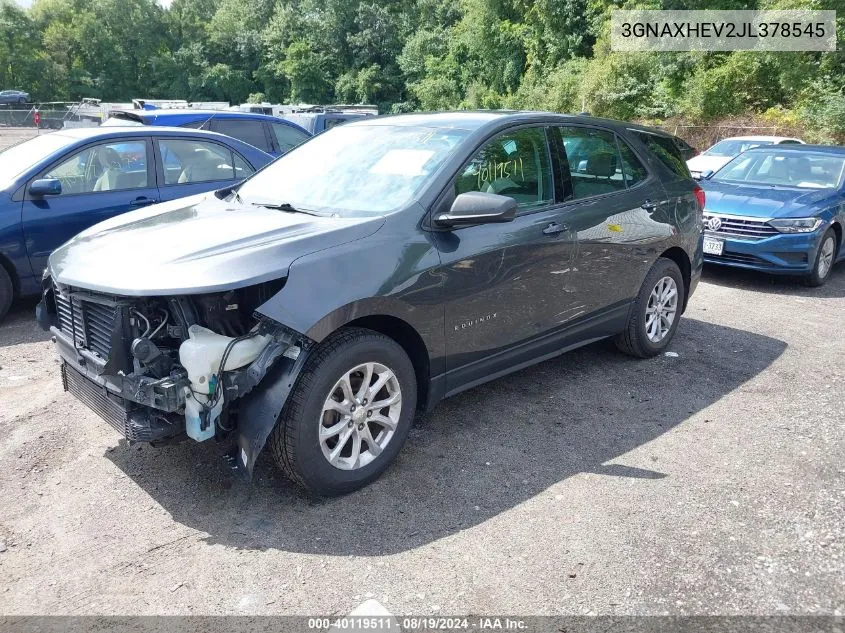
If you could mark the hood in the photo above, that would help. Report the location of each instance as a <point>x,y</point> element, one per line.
<point>196,245</point>
<point>764,201</point>
<point>702,163</point>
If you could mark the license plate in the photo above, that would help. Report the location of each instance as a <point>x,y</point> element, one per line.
<point>713,247</point>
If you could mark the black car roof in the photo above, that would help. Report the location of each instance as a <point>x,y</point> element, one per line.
<point>472,120</point>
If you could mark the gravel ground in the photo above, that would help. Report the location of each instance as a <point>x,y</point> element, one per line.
<point>711,482</point>
<point>13,135</point>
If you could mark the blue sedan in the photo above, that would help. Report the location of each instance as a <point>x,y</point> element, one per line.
<point>268,133</point>
<point>778,210</point>
<point>56,185</point>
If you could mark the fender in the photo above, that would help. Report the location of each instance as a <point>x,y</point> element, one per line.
<point>260,408</point>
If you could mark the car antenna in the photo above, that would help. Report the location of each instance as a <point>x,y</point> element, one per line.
<point>207,121</point>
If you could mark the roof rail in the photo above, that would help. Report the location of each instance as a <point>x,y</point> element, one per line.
<point>362,108</point>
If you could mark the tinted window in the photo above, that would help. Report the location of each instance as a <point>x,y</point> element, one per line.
<point>330,123</point>
<point>665,149</point>
<point>514,164</point>
<point>632,169</point>
<point>196,125</point>
<point>593,161</point>
<point>251,132</point>
<point>105,167</point>
<point>287,137</point>
<point>195,161</point>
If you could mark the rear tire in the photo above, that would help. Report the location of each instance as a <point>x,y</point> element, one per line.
<point>329,438</point>
<point>7,292</point>
<point>825,258</point>
<point>654,316</point>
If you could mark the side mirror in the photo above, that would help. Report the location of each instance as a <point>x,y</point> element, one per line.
<point>477,207</point>
<point>707,174</point>
<point>45,187</point>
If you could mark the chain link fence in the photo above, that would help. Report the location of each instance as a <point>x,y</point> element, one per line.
<point>49,116</point>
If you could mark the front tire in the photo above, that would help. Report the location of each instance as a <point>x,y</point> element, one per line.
<point>825,258</point>
<point>654,316</point>
<point>349,413</point>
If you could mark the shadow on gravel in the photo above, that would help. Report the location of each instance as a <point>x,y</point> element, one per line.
<point>776,284</point>
<point>20,326</point>
<point>477,455</point>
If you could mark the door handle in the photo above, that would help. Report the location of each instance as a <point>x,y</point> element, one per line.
<point>140,202</point>
<point>648,205</point>
<point>554,228</point>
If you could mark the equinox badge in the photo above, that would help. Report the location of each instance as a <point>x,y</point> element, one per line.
<point>478,321</point>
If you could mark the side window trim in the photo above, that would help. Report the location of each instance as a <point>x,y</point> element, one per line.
<point>618,139</point>
<point>524,210</point>
<point>447,194</point>
<point>639,134</point>
<point>649,172</point>
<point>151,176</point>
<point>269,138</point>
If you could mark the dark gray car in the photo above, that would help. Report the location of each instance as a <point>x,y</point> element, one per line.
<point>369,273</point>
<point>13,96</point>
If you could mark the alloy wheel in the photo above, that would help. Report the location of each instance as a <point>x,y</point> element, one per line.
<point>360,416</point>
<point>662,309</point>
<point>826,256</point>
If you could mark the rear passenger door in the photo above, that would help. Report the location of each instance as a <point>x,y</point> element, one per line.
<point>616,212</point>
<point>189,166</point>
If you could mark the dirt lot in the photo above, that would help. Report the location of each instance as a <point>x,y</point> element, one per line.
<point>708,482</point>
<point>13,135</point>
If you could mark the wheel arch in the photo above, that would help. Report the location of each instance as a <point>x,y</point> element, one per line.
<point>13,275</point>
<point>837,230</point>
<point>680,257</point>
<point>409,339</point>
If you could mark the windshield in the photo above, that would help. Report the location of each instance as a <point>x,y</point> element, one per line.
<point>354,171</point>
<point>790,169</point>
<point>17,159</point>
<point>733,147</point>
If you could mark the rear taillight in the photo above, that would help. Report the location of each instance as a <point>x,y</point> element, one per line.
<point>699,195</point>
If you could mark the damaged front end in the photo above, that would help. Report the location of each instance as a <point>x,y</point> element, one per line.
<point>163,369</point>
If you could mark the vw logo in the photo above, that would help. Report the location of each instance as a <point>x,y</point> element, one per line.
<point>714,223</point>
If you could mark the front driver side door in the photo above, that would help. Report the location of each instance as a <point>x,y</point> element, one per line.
<point>504,284</point>
<point>99,181</point>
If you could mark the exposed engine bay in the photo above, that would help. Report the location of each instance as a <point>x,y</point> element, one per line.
<point>158,368</point>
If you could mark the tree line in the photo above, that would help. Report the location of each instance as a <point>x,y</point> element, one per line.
<point>408,55</point>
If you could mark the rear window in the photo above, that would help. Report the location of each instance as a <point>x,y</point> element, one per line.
<point>667,151</point>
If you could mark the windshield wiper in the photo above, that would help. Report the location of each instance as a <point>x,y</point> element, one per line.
<point>284,206</point>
